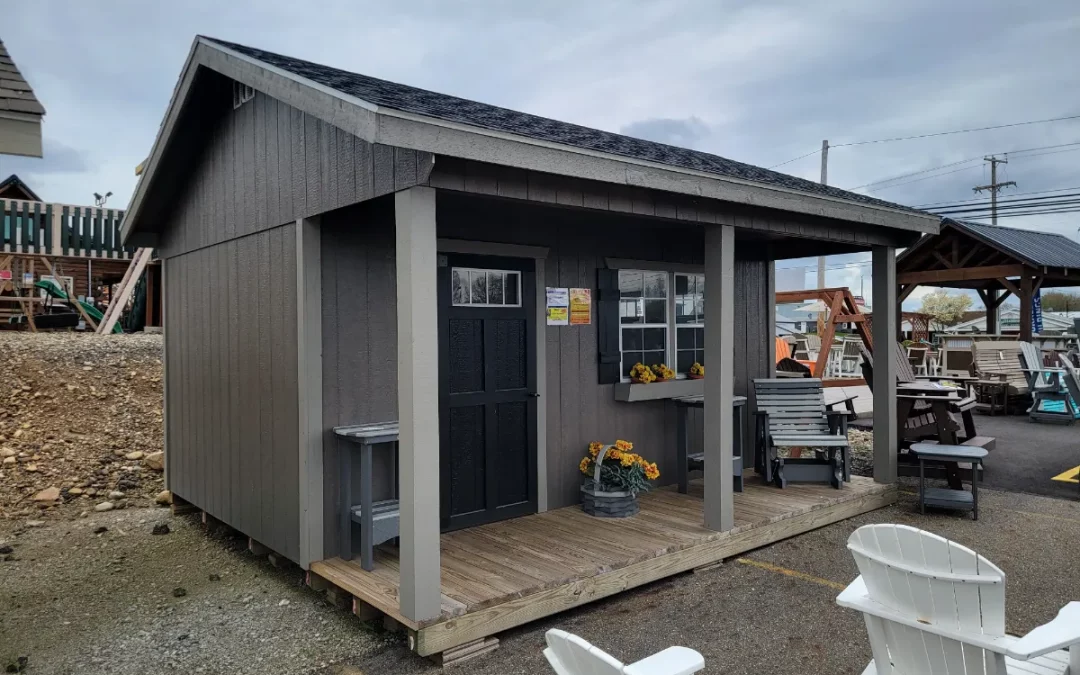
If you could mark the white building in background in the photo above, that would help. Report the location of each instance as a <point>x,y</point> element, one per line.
<point>1009,322</point>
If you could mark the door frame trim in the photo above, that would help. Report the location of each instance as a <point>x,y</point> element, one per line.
<point>539,254</point>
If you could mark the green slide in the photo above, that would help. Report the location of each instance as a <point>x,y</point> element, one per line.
<point>54,290</point>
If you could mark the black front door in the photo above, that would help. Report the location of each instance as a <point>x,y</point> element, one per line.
<point>487,389</point>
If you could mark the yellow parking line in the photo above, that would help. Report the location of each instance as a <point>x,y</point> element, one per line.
<point>1070,476</point>
<point>794,574</point>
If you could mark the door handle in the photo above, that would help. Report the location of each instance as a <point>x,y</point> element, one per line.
<point>534,394</point>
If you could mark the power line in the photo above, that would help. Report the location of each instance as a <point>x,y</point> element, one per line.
<point>1015,194</point>
<point>796,159</point>
<point>967,161</point>
<point>958,131</point>
<point>1011,207</point>
<point>1030,201</point>
<point>916,180</point>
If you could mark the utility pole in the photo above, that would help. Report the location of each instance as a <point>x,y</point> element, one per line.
<point>994,187</point>
<point>821,258</point>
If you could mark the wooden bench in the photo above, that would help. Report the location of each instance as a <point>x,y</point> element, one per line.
<point>379,520</point>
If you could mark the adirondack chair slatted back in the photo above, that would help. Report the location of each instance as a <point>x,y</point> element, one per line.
<point>936,582</point>
<point>783,349</point>
<point>997,360</point>
<point>795,406</point>
<point>1031,359</point>
<point>570,655</point>
<point>1072,380</point>
<point>904,371</point>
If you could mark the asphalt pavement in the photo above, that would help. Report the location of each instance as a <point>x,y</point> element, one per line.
<point>1028,454</point>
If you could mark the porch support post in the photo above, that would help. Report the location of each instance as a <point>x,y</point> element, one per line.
<point>719,376</point>
<point>771,335</point>
<point>418,402</point>
<point>1026,293</point>
<point>991,311</point>
<point>884,334</point>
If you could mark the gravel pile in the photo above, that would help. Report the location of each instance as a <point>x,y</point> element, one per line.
<point>80,423</point>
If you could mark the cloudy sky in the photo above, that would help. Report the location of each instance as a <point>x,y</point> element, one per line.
<point>758,81</point>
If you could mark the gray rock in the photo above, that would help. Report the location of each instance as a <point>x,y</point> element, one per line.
<point>104,506</point>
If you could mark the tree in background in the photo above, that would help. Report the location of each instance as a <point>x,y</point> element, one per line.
<point>945,308</point>
<point>1060,301</point>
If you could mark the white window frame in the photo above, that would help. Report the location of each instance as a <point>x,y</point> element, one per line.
<point>671,342</point>
<point>487,271</point>
<point>698,323</point>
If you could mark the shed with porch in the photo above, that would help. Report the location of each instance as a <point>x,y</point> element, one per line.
<point>340,250</point>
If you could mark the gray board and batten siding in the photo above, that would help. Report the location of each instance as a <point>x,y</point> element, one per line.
<point>359,328</point>
<point>229,249</point>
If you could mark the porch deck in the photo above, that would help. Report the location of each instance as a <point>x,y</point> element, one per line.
<point>505,574</point>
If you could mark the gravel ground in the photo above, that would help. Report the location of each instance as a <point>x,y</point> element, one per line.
<point>75,601</point>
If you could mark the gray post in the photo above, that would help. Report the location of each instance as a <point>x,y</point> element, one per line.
<point>309,392</point>
<point>418,402</point>
<point>885,327</point>
<point>719,376</point>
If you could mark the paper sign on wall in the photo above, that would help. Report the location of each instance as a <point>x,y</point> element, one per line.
<point>5,275</point>
<point>580,306</point>
<point>558,306</point>
<point>28,278</point>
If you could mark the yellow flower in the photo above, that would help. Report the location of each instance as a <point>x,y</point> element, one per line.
<point>595,447</point>
<point>628,460</point>
<point>584,466</point>
<point>615,454</point>
<point>651,472</point>
<point>625,446</point>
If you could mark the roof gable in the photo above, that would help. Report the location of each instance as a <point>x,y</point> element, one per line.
<point>1039,249</point>
<point>15,92</point>
<point>408,99</point>
<point>13,187</point>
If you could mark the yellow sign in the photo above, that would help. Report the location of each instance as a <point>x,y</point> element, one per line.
<point>556,316</point>
<point>580,306</point>
<point>1070,476</point>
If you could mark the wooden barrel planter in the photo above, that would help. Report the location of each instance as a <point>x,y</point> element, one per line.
<point>602,503</point>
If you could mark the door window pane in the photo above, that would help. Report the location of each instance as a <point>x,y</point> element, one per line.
<point>479,287</point>
<point>460,287</point>
<point>495,288</point>
<point>513,288</point>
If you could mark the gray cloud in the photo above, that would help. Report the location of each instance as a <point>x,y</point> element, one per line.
<point>682,132</point>
<point>58,159</point>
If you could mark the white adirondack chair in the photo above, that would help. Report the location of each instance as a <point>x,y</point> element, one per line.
<point>934,607</point>
<point>570,655</point>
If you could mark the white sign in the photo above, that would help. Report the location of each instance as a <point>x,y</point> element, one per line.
<point>558,306</point>
<point>28,278</point>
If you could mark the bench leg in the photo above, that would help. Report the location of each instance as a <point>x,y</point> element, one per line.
<point>681,450</point>
<point>367,517</point>
<point>346,504</point>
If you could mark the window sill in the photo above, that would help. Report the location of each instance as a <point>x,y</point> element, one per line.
<point>630,392</point>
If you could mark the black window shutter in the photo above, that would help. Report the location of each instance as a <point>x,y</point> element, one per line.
<point>607,325</point>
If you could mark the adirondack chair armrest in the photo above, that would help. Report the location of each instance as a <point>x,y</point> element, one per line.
<point>838,420</point>
<point>671,661</point>
<point>1063,631</point>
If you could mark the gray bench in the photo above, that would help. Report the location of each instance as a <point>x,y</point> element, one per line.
<point>949,498</point>
<point>379,520</point>
<point>792,414</point>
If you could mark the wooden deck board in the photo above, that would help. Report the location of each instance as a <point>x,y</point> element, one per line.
<point>504,574</point>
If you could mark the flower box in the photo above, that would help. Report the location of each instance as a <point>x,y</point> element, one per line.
<point>608,504</point>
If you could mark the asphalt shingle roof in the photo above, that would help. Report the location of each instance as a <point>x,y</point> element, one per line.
<point>451,108</point>
<point>1041,249</point>
<point>15,92</point>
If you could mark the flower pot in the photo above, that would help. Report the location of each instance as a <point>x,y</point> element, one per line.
<point>695,377</point>
<point>635,380</point>
<point>660,379</point>
<point>603,504</point>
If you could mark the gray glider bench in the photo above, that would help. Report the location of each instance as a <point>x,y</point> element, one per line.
<point>791,413</point>
<point>379,520</point>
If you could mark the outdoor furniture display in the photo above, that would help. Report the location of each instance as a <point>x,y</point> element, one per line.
<point>792,414</point>
<point>570,655</point>
<point>1000,377</point>
<point>949,498</point>
<point>1072,384</point>
<point>787,366</point>
<point>851,358</point>
<point>917,356</point>
<point>846,400</point>
<point>924,408</point>
<point>379,521</point>
<point>685,460</point>
<point>1049,395</point>
<point>934,607</point>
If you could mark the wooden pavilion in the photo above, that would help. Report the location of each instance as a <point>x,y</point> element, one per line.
<point>994,261</point>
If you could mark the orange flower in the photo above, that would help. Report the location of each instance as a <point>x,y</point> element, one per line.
<point>595,447</point>
<point>652,472</point>
<point>628,460</point>
<point>584,466</point>
<point>625,446</point>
